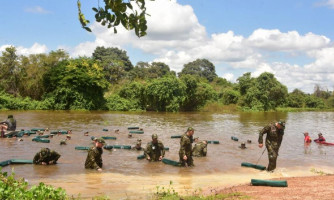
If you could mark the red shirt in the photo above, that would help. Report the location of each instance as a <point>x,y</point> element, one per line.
<point>307,139</point>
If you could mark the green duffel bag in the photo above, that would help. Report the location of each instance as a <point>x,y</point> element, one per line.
<point>133,127</point>
<point>176,136</point>
<point>213,142</point>
<point>37,129</point>
<point>20,161</point>
<point>259,182</point>
<point>171,162</point>
<point>109,138</point>
<point>56,132</point>
<point>81,148</point>
<point>40,140</point>
<point>108,147</point>
<point>5,163</point>
<point>42,136</point>
<point>137,132</point>
<point>260,167</point>
<point>121,146</point>
<point>166,148</point>
<point>140,157</point>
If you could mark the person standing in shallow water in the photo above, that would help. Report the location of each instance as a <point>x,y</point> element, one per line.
<point>185,152</point>
<point>94,156</point>
<point>155,149</point>
<point>275,132</point>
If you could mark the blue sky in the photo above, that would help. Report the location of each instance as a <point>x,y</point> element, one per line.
<point>291,39</point>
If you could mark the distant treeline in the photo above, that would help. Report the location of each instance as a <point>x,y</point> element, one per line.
<point>108,81</point>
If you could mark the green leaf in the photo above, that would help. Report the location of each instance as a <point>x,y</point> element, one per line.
<point>87,29</point>
<point>95,9</point>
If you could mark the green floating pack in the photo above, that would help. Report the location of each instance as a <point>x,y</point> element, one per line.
<point>41,140</point>
<point>20,161</point>
<point>234,138</point>
<point>171,162</point>
<point>105,129</point>
<point>166,148</point>
<point>109,138</point>
<point>42,136</point>
<point>258,182</point>
<point>137,132</point>
<point>108,147</point>
<point>121,146</point>
<point>37,129</point>
<point>260,167</point>
<point>213,142</point>
<point>81,148</point>
<point>56,132</point>
<point>133,127</point>
<point>5,163</point>
<point>140,157</point>
<point>176,136</point>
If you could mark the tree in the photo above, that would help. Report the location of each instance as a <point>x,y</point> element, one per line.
<point>10,71</point>
<point>114,61</point>
<point>76,84</point>
<point>245,82</point>
<point>296,99</point>
<point>201,68</point>
<point>115,12</point>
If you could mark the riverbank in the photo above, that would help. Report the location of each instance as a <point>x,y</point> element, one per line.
<point>299,188</point>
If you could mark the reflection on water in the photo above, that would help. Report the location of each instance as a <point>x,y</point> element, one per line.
<point>124,175</point>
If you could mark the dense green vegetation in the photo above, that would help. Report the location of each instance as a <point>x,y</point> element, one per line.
<point>109,81</point>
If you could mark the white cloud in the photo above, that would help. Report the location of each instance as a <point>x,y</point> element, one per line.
<point>328,3</point>
<point>37,9</point>
<point>229,77</point>
<point>34,49</point>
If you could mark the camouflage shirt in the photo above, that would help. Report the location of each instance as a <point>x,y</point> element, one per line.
<point>155,150</point>
<point>94,158</point>
<point>46,157</point>
<point>200,149</point>
<point>185,146</point>
<point>274,135</point>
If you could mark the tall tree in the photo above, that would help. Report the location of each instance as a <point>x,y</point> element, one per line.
<point>9,71</point>
<point>201,68</point>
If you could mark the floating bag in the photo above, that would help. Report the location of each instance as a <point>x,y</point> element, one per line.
<point>137,132</point>
<point>176,136</point>
<point>258,182</point>
<point>5,163</point>
<point>133,127</point>
<point>121,146</point>
<point>108,147</point>
<point>213,142</point>
<point>109,138</point>
<point>40,140</point>
<point>171,162</point>
<point>81,148</point>
<point>37,129</point>
<point>20,161</point>
<point>140,157</point>
<point>234,138</point>
<point>260,167</point>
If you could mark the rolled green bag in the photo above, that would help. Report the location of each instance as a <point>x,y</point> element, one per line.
<point>5,163</point>
<point>260,167</point>
<point>234,138</point>
<point>56,132</point>
<point>171,162</point>
<point>105,129</point>
<point>42,136</point>
<point>40,140</point>
<point>137,132</point>
<point>176,136</point>
<point>37,129</point>
<point>213,142</point>
<point>259,182</point>
<point>108,147</point>
<point>140,157</point>
<point>81,148</point>
<point>121,146</point>
<point>166,148</point>
<point>133,127</point>
<point>109,138</point>
<point>20,161</point>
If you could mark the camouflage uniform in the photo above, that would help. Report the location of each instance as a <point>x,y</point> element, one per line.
<point>11,123</point>
<point>45,155</point>
<point>94,158</point>
<point>154,150</point>
<point>273,143</point>
<point>186,149</point>
<point>200,149</point>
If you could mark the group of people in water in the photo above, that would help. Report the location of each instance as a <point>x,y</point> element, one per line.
<point>307,138</point>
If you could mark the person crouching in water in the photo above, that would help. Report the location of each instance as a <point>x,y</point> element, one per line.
<point>155,150</point>
<point>46,157</point>
<point>320,138</point>
<point>200,148</point>
<point>94,156</point>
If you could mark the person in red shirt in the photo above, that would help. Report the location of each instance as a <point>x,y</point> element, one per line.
<point>320,138</point>
<point>307,138</point>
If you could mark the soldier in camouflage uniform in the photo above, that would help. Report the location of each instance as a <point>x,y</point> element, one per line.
<point>275,132</point>
<point>94,156</point>
<point>155,149</point>
<point>46,157</point>
<point>200,149</point>
<point>185,151</point>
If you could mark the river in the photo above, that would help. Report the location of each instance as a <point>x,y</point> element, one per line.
<point>125,177</point>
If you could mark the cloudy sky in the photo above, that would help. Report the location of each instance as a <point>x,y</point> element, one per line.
<point>292,39</point>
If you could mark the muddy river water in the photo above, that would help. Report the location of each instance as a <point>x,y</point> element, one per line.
<point>126,177</point>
